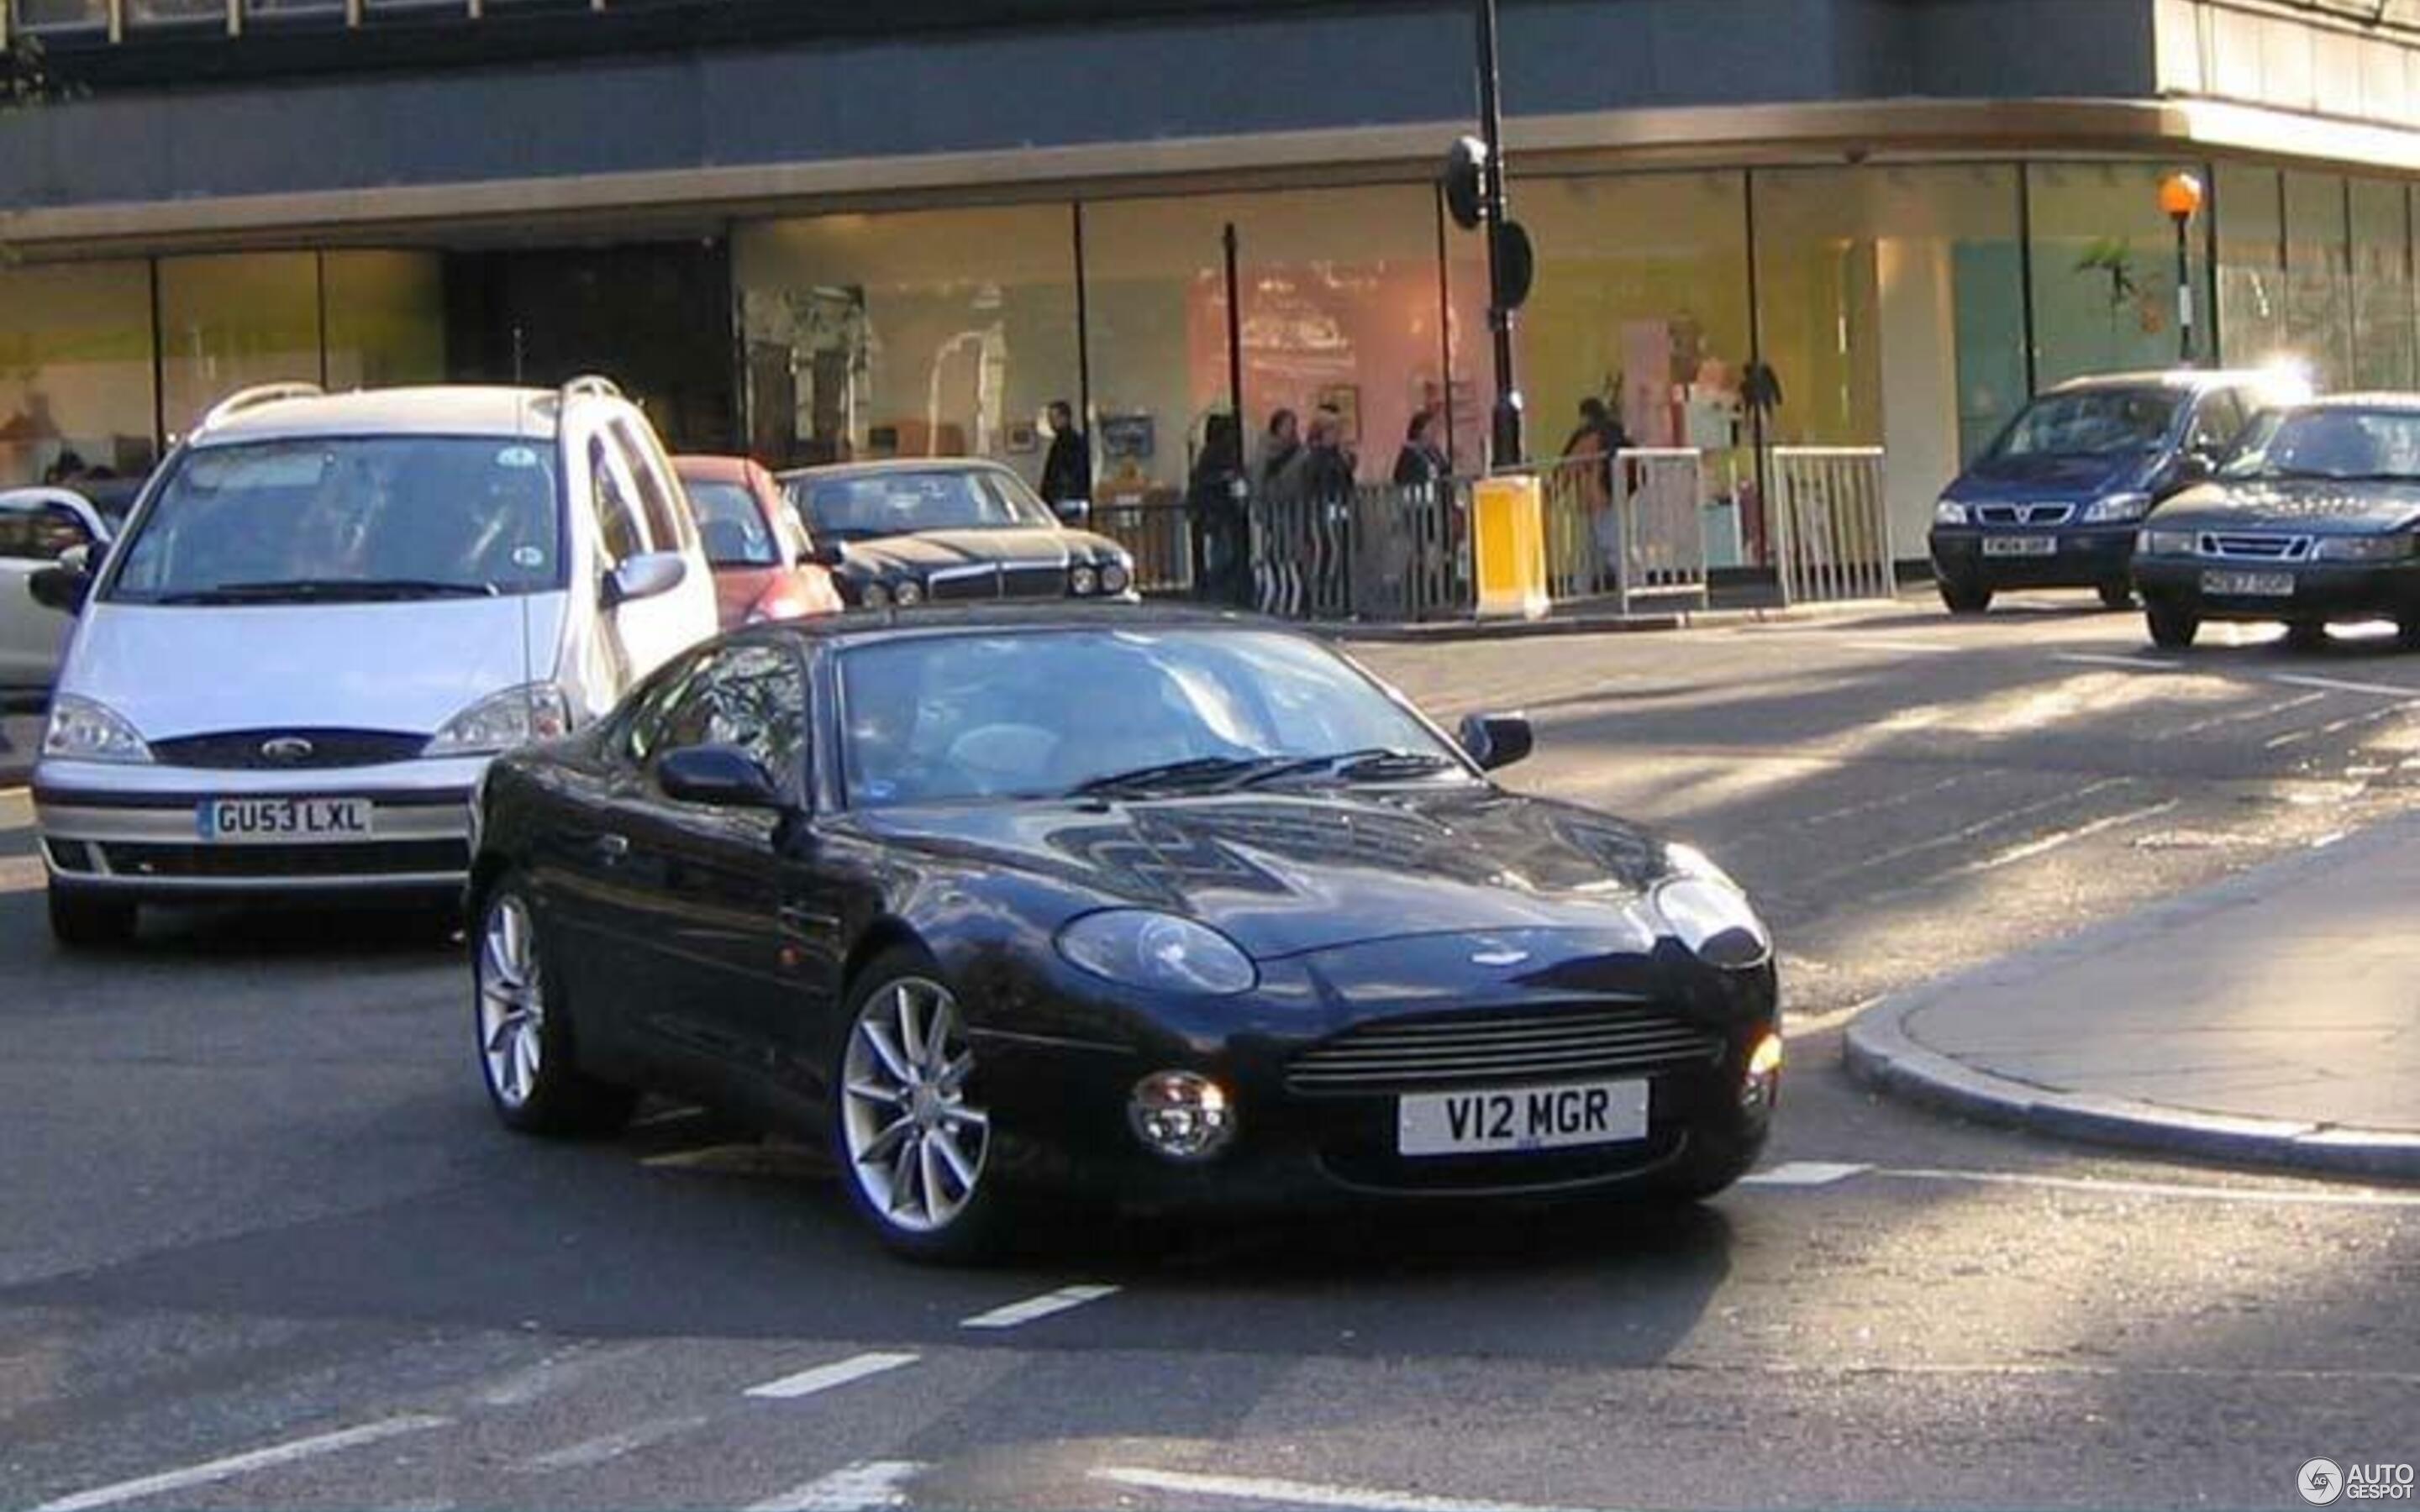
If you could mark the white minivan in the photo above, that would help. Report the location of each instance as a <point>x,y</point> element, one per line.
<point>323,617</point>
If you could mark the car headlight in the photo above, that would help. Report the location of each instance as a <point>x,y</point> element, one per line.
<point>500,721</point>
<point>908,593</point>
<point>81,730</point>
<point>1116,577</point>
<point>1950,512</point>
<point>1706,911</point>
<point>874,596</point>
<point>2165,544</point>
<point>2365,547</point>
<point>1083,582</point>
<point>2116,508</point>
<point>1160,952</point>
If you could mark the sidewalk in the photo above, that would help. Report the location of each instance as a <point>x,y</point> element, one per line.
<point>2272,1019</point>
<point>20,736</point>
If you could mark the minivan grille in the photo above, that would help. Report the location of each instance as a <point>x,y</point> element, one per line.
<point>364,859</point>
<point>1500,1049</point>
<point>2023,513</point>
<point>288,750</point>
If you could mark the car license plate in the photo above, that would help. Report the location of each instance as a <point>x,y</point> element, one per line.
<point>2248,584</point>
<point>2021,545</point>
<point>1525,1117</point>
<point>280,821</point>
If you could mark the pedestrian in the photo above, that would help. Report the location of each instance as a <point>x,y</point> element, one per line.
<point>1600,433</point>
<point>1213,499</point>
<point>1326,463</point>
<point>1279,447</point>
<point>1067,470</point>
<point>1422,461</point>
<point>67,469</point>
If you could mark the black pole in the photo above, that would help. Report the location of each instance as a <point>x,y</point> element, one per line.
<point>2184,293</point>
<point>1506,431</point>
<point>1235,341</point>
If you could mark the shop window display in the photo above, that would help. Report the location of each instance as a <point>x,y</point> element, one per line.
<point>76,370</point>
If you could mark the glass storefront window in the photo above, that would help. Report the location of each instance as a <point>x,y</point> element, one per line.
<point>386,318</point>
<point>75,369</point>
<point>232,320</point>
<point>175,13</point>
<point>1891,314</point>
<point>59,15</point>
<point>2384,316</point>
<point>2104,269</point>
<point>2318,283</point>
<point>1341,307</point>
<point>2252,325</point>
<point>915,333</point>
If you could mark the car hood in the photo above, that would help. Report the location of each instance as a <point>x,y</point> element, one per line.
<point>177,670</point>
<point>1284,873</point>
<point>2020,479</point>
<point>930,550</point>
<point>2313,506</point>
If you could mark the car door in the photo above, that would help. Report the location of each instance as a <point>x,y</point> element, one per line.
<point>36,530</point>
<point>641,634</point>
<point>688,611</point>
<point>707,931</point>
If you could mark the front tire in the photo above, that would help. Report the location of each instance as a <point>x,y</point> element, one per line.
<point>2116,596</point>
<point>2173,625</point>
<point>527,1057</point>
<point>2306,635</point>
<point>1963,596</point>
<point>912,1140</point>
<point>86,921</point>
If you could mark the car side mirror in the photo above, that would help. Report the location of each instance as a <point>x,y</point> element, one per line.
<point>828,553</point>
<point>724,777</point>
<point>647,576</point>
<point>1073,511</point>
<point>1498,740</point>
<point>63,586</point>
<point>2195,466</point>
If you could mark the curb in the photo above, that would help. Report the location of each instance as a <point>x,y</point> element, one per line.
<point>1881,1053</point>
<point>1448,631</point>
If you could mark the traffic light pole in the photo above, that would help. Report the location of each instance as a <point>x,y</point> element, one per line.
<point>1506,428</point>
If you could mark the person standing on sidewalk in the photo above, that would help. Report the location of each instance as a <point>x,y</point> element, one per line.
<point>1279,447</point>
<point>1068,471</point>
<point>1423,461</point>
<point>1215,500</point>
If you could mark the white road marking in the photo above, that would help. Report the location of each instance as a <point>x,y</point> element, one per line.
<point>2136,664</point>
<point>1033,1307</point>
<point>2338,685</point>
<point>1901,853</point>
<point>213,1470</point>
<point>1921,648</point>
<point>865,1484</point>
<point>1298,1492</point>
<point>2032,848</point>
<point>611,1446</point>
<point>2303,1196</point>
<point>825,1377</point>
<point>1794,1025</point>
<point>1804,1173</point>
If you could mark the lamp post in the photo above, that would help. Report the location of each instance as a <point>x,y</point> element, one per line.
<point>2180,197</point>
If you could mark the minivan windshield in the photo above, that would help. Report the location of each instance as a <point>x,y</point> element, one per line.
<point>348,518</point>
<point>860,507</point>
<point>2089,423</point>
<point>2330,441</point>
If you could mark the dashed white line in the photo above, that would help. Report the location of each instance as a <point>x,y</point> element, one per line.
<point>213,1470</point>
<point>1804,1173</point>
<point>1017,1313</point>
<point>2032,848</point>
<point>2134,664</point>
<point>2338,685</point>
<point>1921,648</point>
<point>825,1377</point>
<point>1297,1492</point>
<point>859,1487</point>
<point>611,1446</point>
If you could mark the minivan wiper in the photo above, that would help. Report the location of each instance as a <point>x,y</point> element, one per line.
<point>1375,763</point>
<point>330,590</point>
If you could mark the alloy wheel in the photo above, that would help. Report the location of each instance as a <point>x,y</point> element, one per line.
<point>512,1002</point>
<point>916,1146</point>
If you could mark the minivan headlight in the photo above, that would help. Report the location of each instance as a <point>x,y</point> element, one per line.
<point>500,721</point>
<point>1161,952</point>
<point>83,730</point>
<point>1950,512</point>
<point>2118,508</point>
<point>2365,548</point>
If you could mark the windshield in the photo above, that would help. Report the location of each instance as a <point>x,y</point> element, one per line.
<point>731,527</point>
<point>944,719</point>
<point>393,517</point>
<point>869,504</point>
<point>2090,422</point>
<point>2330,443</point>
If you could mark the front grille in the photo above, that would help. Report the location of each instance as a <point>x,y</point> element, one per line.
<point>952,585</point>
<point>2254,547</point>
<point>242,750</point>
<point>370,858</point>
<point>1034,580</point>
<point>2023,513</point>
<point>1499,1050</point>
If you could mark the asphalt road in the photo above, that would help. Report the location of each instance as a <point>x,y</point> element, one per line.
<point>261,1245</point>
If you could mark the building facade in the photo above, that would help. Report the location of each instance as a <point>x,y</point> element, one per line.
<point>811,230</point>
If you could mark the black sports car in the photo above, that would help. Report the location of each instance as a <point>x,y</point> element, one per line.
<point>2316,517</point>
<point>1170,909</point>
<point>947,531</point>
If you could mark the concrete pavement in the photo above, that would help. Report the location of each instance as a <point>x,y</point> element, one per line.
<point>21,736</point>
<point>2273,1018</point>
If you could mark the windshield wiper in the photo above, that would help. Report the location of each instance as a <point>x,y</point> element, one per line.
<point>1374,763</point>
<point>1194,772</point>
<point>330,590</point>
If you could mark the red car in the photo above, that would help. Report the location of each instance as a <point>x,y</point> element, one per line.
<point>762,559</point>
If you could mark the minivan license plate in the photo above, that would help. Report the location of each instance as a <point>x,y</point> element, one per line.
<point>2248,584</point>
<point>1524,1117</point>
<point>2021,545</point>
<point>282,821</point>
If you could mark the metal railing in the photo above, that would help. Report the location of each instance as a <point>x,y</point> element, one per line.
<point>1831,537</point>
<point>1631,526</point>
<point>1381,552</point>
<point>1159,536</point>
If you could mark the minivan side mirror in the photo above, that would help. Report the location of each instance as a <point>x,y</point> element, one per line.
<point>646,576</point>
<point>722,775</point>
<point>1498,740</point>
<point>66,583</point>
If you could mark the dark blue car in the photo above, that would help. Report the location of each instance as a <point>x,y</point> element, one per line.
<point>2055,500</point>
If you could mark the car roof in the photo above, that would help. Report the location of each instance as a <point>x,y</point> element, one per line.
<point>2374,399</point>
<point>435,409</point>
<point>712,469</point>
<point>2180,378</point>
<point>898,624</point>
<point>893,464</point>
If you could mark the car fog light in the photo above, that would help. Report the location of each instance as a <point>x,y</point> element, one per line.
<point>1115,578</point>
<point>1083,580</point>
<point>1763,1078</point>
<point>908,594</point>
<point>1181,1115</point>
